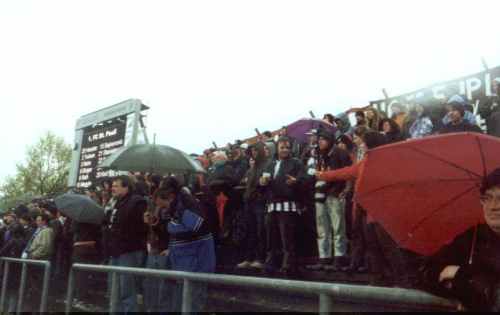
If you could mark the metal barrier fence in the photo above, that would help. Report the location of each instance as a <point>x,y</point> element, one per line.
<point>329,293</point>
<point>22,287</point>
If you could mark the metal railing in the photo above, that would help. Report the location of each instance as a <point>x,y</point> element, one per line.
<point>22,286</point>
<point>329,293</point>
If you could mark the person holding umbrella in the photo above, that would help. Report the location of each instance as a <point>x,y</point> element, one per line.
<point>469,267</point>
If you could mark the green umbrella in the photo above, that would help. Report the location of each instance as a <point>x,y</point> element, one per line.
<point>159,159</point>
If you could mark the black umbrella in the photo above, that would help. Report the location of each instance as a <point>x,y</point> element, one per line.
<point>80,208</point>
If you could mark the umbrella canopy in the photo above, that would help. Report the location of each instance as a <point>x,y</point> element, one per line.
<point>80,208</point>
<point>159,159</point>
<point>425,192</point>
<point>299,129</point>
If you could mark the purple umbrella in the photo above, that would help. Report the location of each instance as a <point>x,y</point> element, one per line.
<point>299,129</point>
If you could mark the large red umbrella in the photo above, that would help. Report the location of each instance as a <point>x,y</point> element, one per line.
<point>425,192</point>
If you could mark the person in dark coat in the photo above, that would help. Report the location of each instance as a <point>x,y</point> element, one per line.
<point>221,180</point>
<point>86,250</point>
<point>13,248</point>
<point>391,130</point>
<point>27,222</point>
<point>468,268</point>
<point>457,122</point>
<point>127,238</point>
<point>155,288</point>
<point>330,216</point>
<point>255,245</point>
<point>282,180</point>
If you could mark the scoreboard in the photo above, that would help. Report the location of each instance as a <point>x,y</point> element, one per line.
<point>100,134</point>
<point>98,143</point>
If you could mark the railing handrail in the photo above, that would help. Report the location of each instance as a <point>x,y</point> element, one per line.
<point>344,292</point>
<point>46,276</point>
<point>27,261</point>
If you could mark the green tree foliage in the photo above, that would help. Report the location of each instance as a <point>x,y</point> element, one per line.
<point>45,171</point>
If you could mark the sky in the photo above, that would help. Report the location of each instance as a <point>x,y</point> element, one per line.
<point>214,70</point>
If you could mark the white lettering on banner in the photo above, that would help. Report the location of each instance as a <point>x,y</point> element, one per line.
<point>461,86</point>
<point>438,92</point>
<point>473,84</point>
<point>487,84</point>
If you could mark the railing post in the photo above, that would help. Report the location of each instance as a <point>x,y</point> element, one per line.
<point>21,288</point>
<point>45,288</point>
<point>187,293</point>
<point>4,285</point>
<point>325,304</point>
<point>113,303</point>
<point>71,287</point>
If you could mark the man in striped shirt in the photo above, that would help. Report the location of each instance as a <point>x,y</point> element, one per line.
<point>282,179</point>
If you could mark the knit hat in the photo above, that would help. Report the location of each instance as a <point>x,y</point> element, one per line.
<point>456,99</point>
<point>326,135</point>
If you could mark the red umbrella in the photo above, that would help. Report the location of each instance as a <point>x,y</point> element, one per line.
<point>425,192</point>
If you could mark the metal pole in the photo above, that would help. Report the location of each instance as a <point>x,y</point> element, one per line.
<point>325,303</point>
<point>21,288</point>
<point>135,130</point>
<point>113,303</point>
<point>45,288</point>
<point>4,285</point>
<point>71,286</point>
<point>187,294</point>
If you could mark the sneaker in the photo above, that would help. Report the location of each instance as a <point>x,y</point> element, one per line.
<point>257,264</point>
<point>316,267</point>
<point>339,263</point>
<point>245,264</point>
<point>320,265</point>
<point>362,269</point>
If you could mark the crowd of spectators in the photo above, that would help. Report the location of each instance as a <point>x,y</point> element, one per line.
<point>257,200</point>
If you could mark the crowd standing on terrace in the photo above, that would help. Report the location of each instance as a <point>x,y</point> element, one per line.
<point>256,204</point>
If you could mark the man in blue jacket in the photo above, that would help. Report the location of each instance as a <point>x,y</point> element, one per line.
<point>191,244</point>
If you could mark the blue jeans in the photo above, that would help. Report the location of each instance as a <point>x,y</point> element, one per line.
<point>197,256</point>
<point>156,290</point>
<point>127,291</point>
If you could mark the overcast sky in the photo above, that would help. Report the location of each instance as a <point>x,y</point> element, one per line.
<point>215,70</point>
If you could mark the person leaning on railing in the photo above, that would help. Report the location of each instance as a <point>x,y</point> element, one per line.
<point>86,250</point>
<point>191,245</point>
<point>13,248</point>
<point>41,244</point>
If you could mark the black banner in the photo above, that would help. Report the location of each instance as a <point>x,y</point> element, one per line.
<point>98,143</point>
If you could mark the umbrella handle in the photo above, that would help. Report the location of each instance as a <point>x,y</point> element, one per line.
<point>473,247</point>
